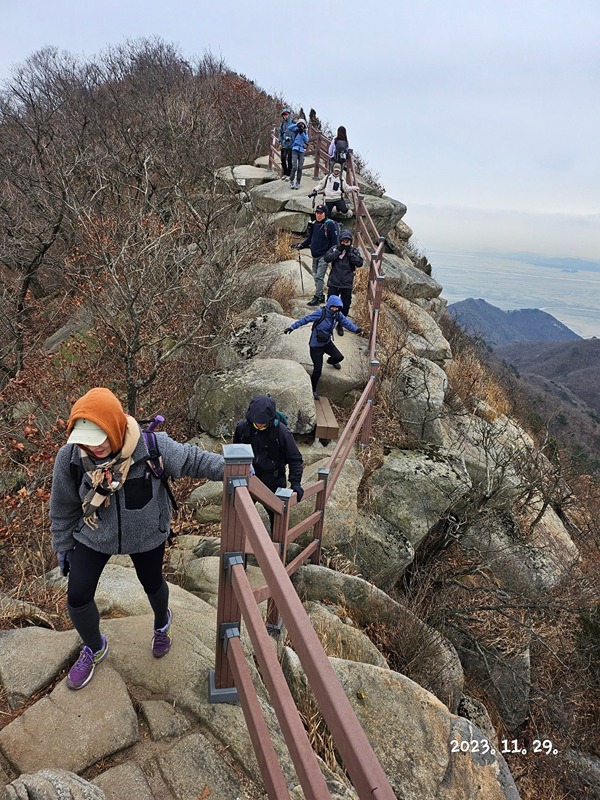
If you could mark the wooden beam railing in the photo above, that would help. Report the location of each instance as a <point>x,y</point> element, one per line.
<point>243,532</point>
<point>230,680</point>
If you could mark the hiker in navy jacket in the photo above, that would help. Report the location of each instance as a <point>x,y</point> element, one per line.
<point>105,500</point>
<point>321,236</point>
<point>344,259</point>
<point>274,447</point>
<point>286,137</point>
<point>298,150</point>
<point>324,321</point>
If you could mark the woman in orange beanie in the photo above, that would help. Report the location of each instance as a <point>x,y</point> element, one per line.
<point>106,500</point>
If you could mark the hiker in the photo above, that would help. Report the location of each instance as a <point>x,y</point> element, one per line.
<point>334,187</point>
<point>273,445</point>
<point>338,149</point>
<point>298,150</point>
<point>105,500</point>
<point>321,236</point>
<point>344,259</point>
<point>324,321</point>
<point>286,137</point>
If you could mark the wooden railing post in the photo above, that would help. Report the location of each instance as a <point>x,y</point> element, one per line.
<point>238,458</point>
<point>279,536</point>
<point>322,475</point>
<point>365,433</point>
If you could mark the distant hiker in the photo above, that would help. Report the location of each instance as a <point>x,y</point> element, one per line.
<point>344,259</point>
<point>298,150</point>
<point>321,236</point>
<point>273,445</point>
<point>286,138</point>
<point>324,320</point>
<point>334,187</point>
<point>105,500</point>
<point>338,149</point>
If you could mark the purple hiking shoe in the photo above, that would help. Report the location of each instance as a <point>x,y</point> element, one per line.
<point>161,641</point>
<point>82,671</point>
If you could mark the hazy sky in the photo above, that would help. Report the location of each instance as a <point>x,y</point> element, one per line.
<point>483,116</point>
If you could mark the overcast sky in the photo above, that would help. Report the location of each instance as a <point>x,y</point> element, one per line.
<point>482,116</point>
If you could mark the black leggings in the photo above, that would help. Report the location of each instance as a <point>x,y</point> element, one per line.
<point>86,567</point>
<point>316,356</point>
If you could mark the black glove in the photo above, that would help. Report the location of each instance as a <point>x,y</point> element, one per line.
<point>63,561</point>
<point>312,194</point>
<point>288,330</point>
<point>299,490</point>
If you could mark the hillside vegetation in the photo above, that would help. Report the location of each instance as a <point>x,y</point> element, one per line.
<point>126,263</point>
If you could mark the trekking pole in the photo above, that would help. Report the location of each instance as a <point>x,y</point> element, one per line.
<point>301,278</point>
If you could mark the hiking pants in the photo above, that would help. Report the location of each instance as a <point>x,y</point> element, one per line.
<point>286,160</point>
<point>86,566</point>
<point>340,205</point>
<point>316,356</point>
<point>319,268</point>
<point>345,296</point>
<point>297,162</point>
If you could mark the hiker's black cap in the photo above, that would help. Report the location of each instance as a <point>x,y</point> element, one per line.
<point>321,208</point>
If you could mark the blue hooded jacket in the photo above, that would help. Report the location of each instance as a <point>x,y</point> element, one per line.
<point>325,323</point>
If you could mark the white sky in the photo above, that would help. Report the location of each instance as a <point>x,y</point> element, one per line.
<point>482,116</point>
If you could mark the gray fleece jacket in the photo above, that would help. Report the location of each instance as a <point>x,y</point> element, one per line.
<point>139,515</point>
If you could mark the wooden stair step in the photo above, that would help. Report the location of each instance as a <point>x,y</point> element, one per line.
<point>327,425</point>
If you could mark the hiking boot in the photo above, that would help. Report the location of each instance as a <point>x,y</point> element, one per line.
<point>334,364</point>
<point>339,329</point>
<point>315,300</point>
<point>82,671</point>
<point>161,641</point>
<point>292,185</point>
<point>297,185</point>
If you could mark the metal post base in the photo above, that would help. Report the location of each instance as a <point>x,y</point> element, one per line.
<point>229,695</point>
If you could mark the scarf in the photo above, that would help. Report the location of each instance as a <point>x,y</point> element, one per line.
<point>108,478</point>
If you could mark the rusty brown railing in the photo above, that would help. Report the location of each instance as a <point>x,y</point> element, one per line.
<point>230,680</point>
<point>242,532</point>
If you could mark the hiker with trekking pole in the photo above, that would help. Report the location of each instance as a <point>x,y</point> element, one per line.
<point>110,496</point>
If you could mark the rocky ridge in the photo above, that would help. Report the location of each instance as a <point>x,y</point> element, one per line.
<point>145,729</point>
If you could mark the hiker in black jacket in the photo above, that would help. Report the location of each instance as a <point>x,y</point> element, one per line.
<point>344,259</point>
<point>321,235</point>
<point>273,445</point>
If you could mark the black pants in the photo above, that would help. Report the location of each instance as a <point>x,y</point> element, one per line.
<point>340,205</point>
<point>345,296</point>
<point>286,160</point>
<point>86,567</point>
<point>316,356</point>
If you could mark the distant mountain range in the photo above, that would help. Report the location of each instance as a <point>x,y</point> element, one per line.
<point>557,369</point>
<point>496,327</point>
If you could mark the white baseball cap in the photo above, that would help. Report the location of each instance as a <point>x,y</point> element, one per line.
<point>87,433</point>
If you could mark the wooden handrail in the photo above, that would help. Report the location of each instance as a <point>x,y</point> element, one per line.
<point>230,680</point>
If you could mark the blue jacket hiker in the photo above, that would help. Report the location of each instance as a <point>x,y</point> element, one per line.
<point>324,321</point>
<point>106,499</point>
<point>321,236</point>
<point>299,143</point>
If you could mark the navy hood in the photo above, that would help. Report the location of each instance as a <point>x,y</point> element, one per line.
<point>345,234</point>
<point>261,409</point>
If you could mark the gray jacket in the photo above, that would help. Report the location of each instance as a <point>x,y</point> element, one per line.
<point>139,515</point>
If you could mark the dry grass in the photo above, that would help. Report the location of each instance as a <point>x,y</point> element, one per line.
<point>284,291</point>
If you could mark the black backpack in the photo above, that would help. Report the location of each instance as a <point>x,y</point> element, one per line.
<point>341,151</point>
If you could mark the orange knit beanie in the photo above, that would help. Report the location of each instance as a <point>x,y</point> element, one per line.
<point>102,407</point>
